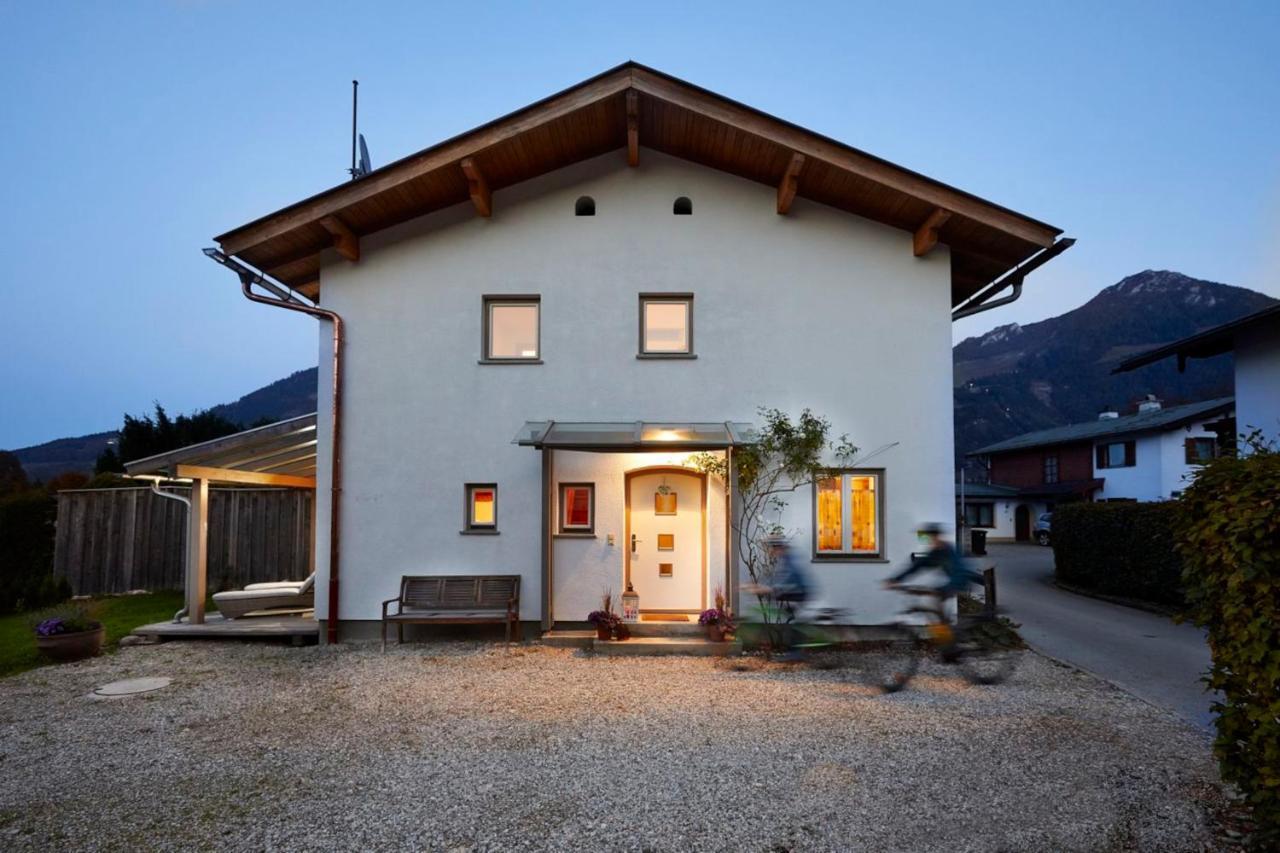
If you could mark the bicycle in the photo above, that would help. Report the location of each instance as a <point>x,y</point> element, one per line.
<point>978,644</point>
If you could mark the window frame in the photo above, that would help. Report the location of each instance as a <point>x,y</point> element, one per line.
<point>488,302</point>
<point>1194,441</point>
<point>687,299</point>
<point>846,554</point>
<point>978,506</point>
<point>563,528</point>
<point>469,526</point>
<point>1044,469</point>
<point>1102,454</point>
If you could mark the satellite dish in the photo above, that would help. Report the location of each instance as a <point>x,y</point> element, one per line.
<point>364,168</point>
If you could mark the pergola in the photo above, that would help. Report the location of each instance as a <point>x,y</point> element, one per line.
<point>279,454</point>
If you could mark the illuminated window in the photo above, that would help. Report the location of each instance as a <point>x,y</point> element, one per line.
<point>511,326</point>
<point>847,512</point>
<point>666,324</point>
<point>482,508</point>
<point>577,508</point>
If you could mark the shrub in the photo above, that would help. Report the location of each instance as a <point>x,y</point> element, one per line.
<point>1229,537</point>
<point>1121,549</point>
<point>26,552</point>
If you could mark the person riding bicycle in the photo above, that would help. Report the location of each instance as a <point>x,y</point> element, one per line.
<point>941,555</point>
<point>789,588</point>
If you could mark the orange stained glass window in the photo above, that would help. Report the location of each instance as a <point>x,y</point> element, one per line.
<point>862,510</point>
<point>830,530</point>
<point>483,506</point>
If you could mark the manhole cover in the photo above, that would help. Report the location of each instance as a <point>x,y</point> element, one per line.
<point>130,686</point>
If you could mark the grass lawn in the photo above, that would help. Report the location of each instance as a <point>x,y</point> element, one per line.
<point>120,614</point>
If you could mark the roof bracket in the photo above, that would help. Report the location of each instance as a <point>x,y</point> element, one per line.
<point>478,187</point>
<point>790,183</point>
<point>926,236</point>
<point>344,239</point>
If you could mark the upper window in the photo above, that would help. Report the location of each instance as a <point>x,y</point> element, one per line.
<point>511,328</point>
<point>577,508</point>
<point>666,324</point>
<point>1051,469</point>
<point>1118,454</point>
<point>482,508</point>
<point>683,206</point>
<point>848,511</point>
<point>584,206</point>
<point>1201,450</point>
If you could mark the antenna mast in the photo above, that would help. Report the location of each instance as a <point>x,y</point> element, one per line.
<point>355,85</point>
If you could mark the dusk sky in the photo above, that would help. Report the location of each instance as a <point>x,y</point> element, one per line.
<point>136,132</point>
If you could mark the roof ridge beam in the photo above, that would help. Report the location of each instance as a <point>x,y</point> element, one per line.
<point>478,187</point>
<point>633,127</point>
<point>790,183</point>
<point>926,236</point>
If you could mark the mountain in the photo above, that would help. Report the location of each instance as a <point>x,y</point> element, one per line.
<point>1017,378</point>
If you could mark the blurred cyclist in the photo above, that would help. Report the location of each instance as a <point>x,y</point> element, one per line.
<point>941,555</point>
<point>789,587</point>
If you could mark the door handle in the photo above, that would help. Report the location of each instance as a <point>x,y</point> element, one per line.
<point>634,540</point>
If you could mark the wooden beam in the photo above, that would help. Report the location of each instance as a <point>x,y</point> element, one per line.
<point>197,573</point>
<point>253,478</point>
<point>790,183</point>
<point>478,187</point>
<point>633,127</point>
<point>344,239</point>
<point>926,236</point>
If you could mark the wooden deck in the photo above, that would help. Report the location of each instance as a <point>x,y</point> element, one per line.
<point>298,627</point>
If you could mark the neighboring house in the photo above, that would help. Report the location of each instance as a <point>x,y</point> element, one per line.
<point>995,509</point>
<point>1146,456</point>
<point>547,315</point>
<point>1255,342</point>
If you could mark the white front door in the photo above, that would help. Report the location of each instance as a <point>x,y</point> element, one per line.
<point>666,557</point>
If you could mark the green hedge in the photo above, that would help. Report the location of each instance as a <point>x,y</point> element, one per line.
<point>26,552</point>
<point>1228,532</point>
<point>1120,549</point>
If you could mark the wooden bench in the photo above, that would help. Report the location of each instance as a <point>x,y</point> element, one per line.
<point>453,599</point>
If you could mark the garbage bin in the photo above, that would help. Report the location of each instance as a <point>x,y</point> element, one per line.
<point>978,542</point>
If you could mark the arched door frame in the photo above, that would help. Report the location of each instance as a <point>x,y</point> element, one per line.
<point>702,509</point>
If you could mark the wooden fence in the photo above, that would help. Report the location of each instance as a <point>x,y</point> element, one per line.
<point>115,540</point>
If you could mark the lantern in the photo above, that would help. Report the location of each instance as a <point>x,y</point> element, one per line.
<point>630,605</point>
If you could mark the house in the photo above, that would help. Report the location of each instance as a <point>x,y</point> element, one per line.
<point>995,509</point>
<point>1255,341</point>
<point>527,330</point>
<point>1146,456</point>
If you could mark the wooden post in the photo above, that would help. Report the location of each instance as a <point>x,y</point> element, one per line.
<point>197,551</point>
<point>989,589</point>
<point>731,540</point>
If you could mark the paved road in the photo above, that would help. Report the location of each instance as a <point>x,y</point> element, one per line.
<point>1144,653</point>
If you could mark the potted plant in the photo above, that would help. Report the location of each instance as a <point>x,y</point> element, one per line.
<point>605,620</point>
<point>69,635</point>
<point>717,620</point>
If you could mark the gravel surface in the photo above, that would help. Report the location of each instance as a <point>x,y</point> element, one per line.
<point>464,746</point>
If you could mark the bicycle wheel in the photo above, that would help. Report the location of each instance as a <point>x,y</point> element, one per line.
<point>985,654</point>
<point>890,661</point>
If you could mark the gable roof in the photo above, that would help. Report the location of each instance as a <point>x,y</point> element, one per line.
<point>1158,420</point>
<point>1210,342</point>
<point>625,108</point>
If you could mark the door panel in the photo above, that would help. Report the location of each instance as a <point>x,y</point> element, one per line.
<point>666,552</point>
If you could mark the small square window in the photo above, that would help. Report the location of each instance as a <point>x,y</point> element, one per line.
<point>666,325</point>
<point>1051,469</point>
<point>577,507</point>
<point>481,514</point>
<point>511,329</point>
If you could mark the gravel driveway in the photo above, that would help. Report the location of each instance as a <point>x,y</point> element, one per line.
<point>466,746</point>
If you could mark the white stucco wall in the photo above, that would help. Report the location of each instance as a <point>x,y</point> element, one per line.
<point>818,308</point>
<point>1161,467</point>
<point>1257,355</point>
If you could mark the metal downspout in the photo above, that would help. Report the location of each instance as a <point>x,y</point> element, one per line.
<point>155,487</point>
<point>248,278</point>
<point>978,302</point>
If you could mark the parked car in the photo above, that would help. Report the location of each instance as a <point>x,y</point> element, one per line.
<point>1041,531</point>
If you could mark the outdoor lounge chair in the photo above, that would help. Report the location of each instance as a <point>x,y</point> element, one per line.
<point>279,595</point>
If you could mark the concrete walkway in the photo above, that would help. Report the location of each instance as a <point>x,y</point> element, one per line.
<point>1144,653</point>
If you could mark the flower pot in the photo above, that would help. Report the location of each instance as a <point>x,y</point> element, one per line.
<point>604,632</point>
<point>69,647</point>
<point>715,633</point>
<point>621,632</point>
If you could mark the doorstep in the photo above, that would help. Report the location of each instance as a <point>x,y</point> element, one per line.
<point>641,646</point>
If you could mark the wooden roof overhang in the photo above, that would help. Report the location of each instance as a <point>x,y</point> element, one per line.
<point>629,107</point>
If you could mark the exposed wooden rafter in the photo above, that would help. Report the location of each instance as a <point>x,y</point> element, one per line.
<point>478,187</point>
<point>790,183</point>
<point>232,475</point>
<point>633,128</point>
<point>926,236</point>
<point>344,239</point>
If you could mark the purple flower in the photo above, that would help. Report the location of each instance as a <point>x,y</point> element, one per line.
<point>51,627</point>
